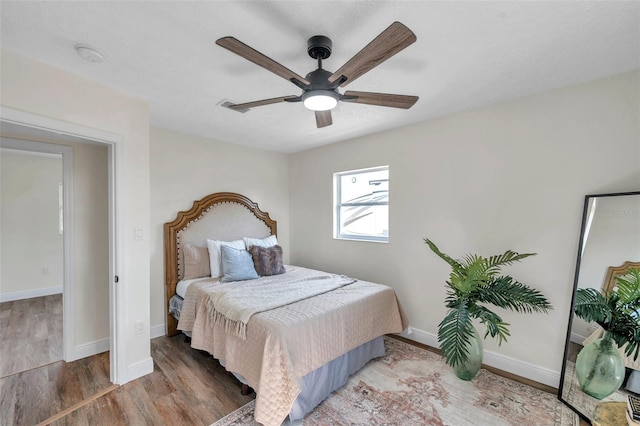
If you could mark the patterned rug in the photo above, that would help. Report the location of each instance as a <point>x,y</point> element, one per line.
<point>413,386</point>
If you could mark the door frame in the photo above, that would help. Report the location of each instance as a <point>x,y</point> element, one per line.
<point>117,355</point>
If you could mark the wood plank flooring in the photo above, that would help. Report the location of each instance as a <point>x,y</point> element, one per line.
<point>30,333</point>
<point>32,396</point>
<point>187,387</point>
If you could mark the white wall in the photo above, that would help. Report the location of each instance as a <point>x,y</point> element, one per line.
<point>614,238</point>
<point>36,88</point>
<point>508,176</point>
<point>29,225</point>
<point>186,168</point>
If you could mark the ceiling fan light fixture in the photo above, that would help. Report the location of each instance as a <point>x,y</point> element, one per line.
<point>320,100</point>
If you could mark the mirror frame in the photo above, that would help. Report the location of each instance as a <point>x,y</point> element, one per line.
<point>573,295</point>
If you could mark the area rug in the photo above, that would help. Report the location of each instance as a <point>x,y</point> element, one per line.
<point>413,386</point>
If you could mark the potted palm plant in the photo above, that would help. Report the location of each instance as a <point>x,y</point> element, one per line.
<point>600,366</point>
<point>474,282</point>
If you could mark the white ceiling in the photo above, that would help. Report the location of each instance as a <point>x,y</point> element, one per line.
<point>468,54</point>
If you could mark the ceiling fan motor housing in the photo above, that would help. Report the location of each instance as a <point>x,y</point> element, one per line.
<point>319,46</point>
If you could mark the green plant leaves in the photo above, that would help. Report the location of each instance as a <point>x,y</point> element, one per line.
<point>629,288</point>
<point>617,312</point>
<point>474,280</point>
<point>509,294</point>
<point>454,332</point>
<point>592,306</point>
<point>495,326</point>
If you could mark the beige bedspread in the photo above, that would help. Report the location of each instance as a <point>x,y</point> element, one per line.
<point>286,343</point>
<point>232,304</point>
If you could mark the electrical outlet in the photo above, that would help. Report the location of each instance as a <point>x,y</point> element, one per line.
<point>45,270</point>
<point>139,326</point>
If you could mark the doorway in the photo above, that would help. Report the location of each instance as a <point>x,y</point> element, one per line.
<point>31,265</point>
<point>31,126</point>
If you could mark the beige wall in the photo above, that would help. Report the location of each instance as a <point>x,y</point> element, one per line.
<point>508,176</point>
<point>186,168</point>
<point>614,238</point>
<point>40,89</point>
<point>91,241</point>
<point>29,225</point>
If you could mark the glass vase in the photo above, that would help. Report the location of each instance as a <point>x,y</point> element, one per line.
<point>468,370</point>
<point>600,367</point>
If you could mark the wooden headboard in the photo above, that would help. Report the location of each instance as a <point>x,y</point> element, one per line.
<point>223,216</point>
<point>614,271</point>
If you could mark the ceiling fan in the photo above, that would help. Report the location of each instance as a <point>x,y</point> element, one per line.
<point>320,87</point>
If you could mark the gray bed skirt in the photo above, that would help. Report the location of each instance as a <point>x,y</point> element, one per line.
<point>318,384</point>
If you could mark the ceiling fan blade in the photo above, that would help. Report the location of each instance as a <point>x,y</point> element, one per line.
<point>249,53</point>
<point>380,99</point>
<point>323,118</point>
<point>248,105</point>
<point>389,42</point>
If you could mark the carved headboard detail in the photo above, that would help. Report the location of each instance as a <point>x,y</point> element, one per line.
<point>614,271</point>
<point>220,216</point>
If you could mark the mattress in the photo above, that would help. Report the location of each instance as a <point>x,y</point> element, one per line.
<point>183,285</point>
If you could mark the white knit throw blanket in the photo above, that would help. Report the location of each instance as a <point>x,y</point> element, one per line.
<point>231,305</point>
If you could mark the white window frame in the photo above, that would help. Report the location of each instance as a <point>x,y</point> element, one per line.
<point>337,205</point>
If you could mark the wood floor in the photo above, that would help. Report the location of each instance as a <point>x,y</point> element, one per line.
<point>187,387</point>
<point>32,396</point>
<point>30,333</point>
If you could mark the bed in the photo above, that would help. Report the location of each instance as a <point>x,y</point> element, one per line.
<point>294,353</point>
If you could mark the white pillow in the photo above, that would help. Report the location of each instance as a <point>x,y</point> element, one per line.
<point>215,260</point>
<point>270,241</point>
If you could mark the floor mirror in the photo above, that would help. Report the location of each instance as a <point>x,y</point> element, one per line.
<point>609,243</point>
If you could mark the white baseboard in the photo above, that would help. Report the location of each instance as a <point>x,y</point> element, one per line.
<point>134,371</point>
<point>157,331</point>
<point>89,349</point>
<point>28,294</point>
<point>139,369</point>
<point>511,365</point>
<point>577,338</point>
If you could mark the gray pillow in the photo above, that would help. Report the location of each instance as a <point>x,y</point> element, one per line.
<point>267,260</point>
<point>237,265</point>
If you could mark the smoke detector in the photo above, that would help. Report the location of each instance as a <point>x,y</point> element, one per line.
<point>89,53</point>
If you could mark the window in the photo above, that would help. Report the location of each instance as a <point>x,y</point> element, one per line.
<point>361,201</point>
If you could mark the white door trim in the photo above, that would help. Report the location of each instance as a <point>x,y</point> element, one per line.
<point>118,366</point>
